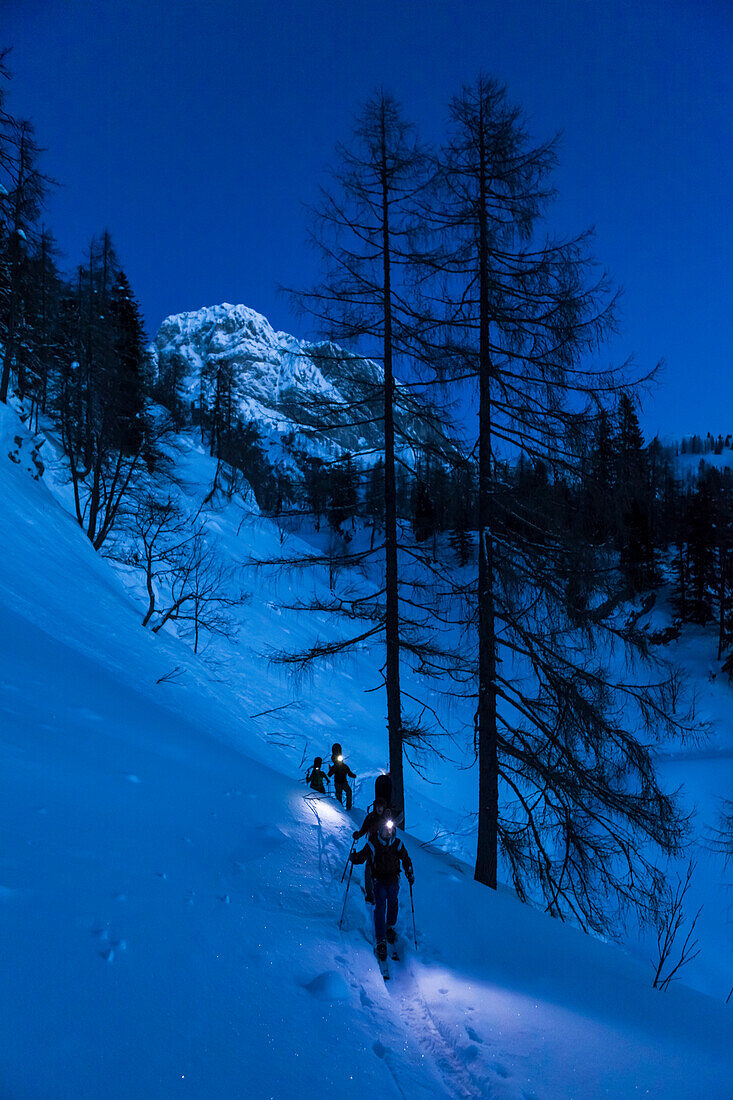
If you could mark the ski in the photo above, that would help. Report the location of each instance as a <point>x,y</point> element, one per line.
<point>383,968</point>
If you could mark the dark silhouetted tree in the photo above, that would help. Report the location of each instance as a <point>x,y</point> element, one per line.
<point>567,791</point>
<point>362,228</point>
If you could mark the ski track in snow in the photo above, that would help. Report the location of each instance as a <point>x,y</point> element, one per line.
<point>417,1037</point>
<point>401,1046</point>
<point>420,1021</point>
<point>463,1069</point>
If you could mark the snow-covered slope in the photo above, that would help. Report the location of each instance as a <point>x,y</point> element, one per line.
<point>170,898</point>
<point>689,465</point>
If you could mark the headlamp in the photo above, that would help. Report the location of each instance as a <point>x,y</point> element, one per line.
<point>389,824</point>
<point>339,758</point>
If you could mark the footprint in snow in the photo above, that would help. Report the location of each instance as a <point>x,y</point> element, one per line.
<point>108,944</point>
<point>469,1054</point>
<point>380,1050</point>
<point>366,1001</point>
<point>501,1070</point>
<point>473,1036</point>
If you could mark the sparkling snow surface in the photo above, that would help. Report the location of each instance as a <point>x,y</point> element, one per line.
<point>170,898</point>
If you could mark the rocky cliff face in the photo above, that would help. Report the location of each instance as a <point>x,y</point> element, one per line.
<point>312,398</point>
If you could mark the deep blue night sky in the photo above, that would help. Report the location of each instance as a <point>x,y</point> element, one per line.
<point>194,131</point>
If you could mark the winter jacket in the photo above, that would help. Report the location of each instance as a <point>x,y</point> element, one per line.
<point>339,771</point>
<point>384,858</point>
<point>316,778</point>
<point>374,819</point>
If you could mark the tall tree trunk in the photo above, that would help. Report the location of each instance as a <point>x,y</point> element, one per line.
<point>722,593</point>
<point>10,337</point>
<point>14,304</point>
<point>486,724</point>
<point>94,501</point>
<point>392,669</point>
<point>149,582</point>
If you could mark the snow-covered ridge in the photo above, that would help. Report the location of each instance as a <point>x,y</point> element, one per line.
<point>277,381</point>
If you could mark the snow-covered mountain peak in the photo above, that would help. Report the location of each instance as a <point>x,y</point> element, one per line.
<point>325,399</point>
<point>224,330</point>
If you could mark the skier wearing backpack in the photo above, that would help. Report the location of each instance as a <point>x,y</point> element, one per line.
<point>315,777</point>
<point>340,771</point>
<point>386,855</point>
<point>380,811</point>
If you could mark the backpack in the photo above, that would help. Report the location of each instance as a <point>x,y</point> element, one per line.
<point>340,774</point>
<point>385,858</point>
<point>383,788</point>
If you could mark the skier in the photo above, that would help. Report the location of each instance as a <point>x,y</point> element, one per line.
<point>385,853</point>
<point>315,777</point>
<point>379,811</point>
<point>380,807</point>
<point>340,770</point>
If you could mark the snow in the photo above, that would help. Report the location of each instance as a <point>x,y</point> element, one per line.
<point>329,986</point>
<point>688,465</point>
<point>277,382</point>
<point>170,893</point>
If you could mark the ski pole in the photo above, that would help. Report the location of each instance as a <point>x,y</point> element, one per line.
<point>414,930</point>
<point>351,849</point>
<point>348,884</point>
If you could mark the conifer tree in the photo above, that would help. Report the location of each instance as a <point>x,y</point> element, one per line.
<point>128,335</point>
<point>424,521</point>
<point>363,229</point>
<point>40,346</point>
<point>374,497</point>
<point>106,433</point>
<point>567,791</point>
<point>25,187</point>
<point>343,493</point>
<point>600,484</point>
<point>633,498</point>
